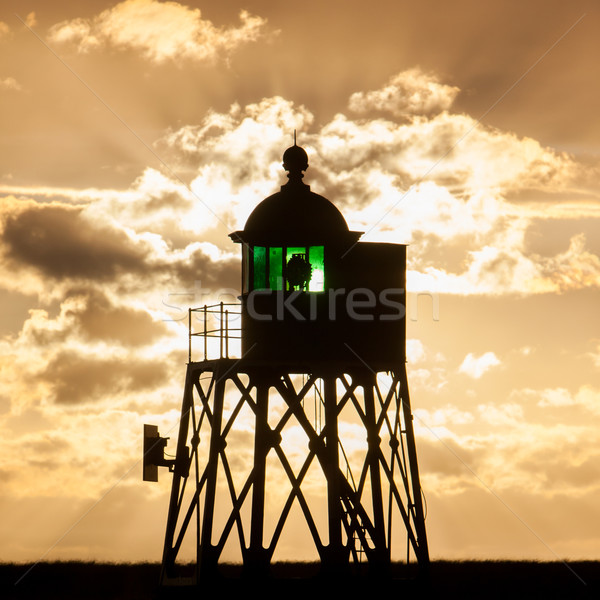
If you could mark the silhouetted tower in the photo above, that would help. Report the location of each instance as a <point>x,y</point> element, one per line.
<point>309,431</point>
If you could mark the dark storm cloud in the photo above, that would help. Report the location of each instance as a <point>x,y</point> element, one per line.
<point>76,379</point>
<point>60,243</point>
<point>57,241</point>
<point>198,268</point>
<point>89,315</point>
<point>99,319</point>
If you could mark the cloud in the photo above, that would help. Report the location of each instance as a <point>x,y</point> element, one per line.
<point>509,446</point>
<point>556,397</point>
<point>587,397</point>
<point>476,367</point>
<point>447,416</point>
<point>505,415</point>
<point>77,32</point>
<point>431,380</point>
<point>90,315</point>
<point>30,19</point>
<point>505,268</point>
<point>439,182</point>
<point>47,444</point>
<point>576,268</point>
<point>411,92</point>
<point>75,379</point>
<point>249,141</point>
<point>236,157</point>
<point>160,31</point>
<point>415,351</point>
<point>58,241</point>
<point>452,150</point>
<point>11,84</point>
<point>595,356</point>
<point>73,244</point>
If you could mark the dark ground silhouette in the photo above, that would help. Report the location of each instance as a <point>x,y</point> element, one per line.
<point>463,579</point>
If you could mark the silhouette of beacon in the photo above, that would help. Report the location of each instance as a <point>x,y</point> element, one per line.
<point>307,435</point>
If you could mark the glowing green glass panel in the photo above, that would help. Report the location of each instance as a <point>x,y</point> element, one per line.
<point>260,267</point>
<point>245,269</point>
<point>276,268</point>
<point>289,252</point>
<point>317,262</point>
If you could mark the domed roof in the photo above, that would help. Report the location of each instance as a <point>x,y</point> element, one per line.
<point>293,212</point>
<point>295,215</point>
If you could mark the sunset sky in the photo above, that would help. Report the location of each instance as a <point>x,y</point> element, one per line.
<point>136,135</point>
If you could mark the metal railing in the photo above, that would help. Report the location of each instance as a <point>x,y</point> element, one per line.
<point>220,322</point>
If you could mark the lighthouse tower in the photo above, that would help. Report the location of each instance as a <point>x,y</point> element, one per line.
<point>302,444</point>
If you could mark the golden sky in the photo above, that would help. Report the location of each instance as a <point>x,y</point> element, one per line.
<point>136,135</point>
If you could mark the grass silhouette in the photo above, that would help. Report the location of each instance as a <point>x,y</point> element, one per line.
<point>447,579</point>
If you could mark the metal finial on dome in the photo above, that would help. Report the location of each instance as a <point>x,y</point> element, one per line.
<point>295,161</point>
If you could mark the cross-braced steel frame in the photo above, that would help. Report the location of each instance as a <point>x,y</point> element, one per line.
<point>334,447</point>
